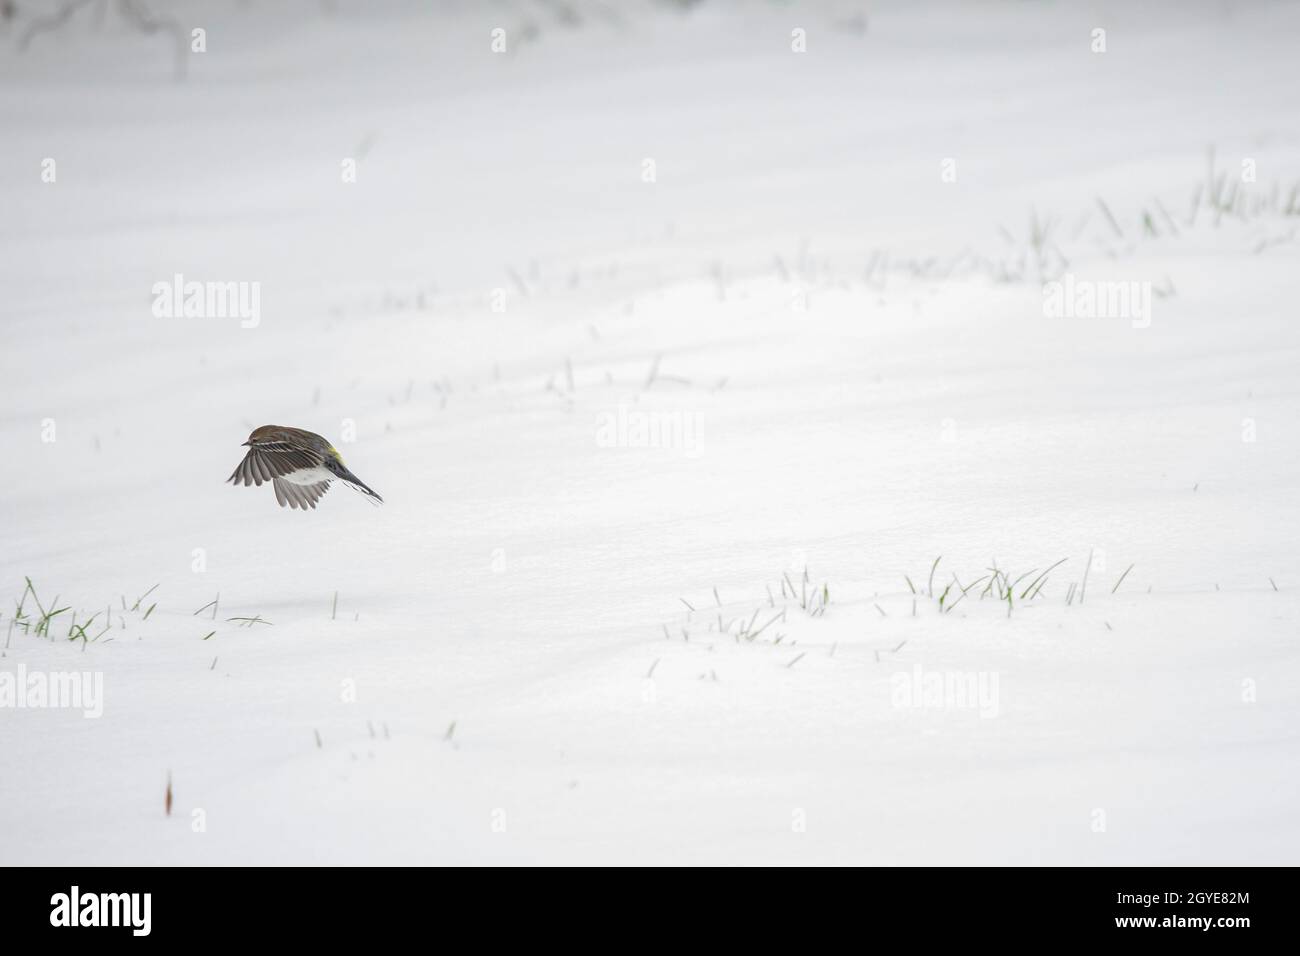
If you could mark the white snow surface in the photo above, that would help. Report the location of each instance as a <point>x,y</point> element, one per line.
<point>854,368</point>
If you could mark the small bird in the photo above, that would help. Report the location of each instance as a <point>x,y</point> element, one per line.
<point>299,465</point>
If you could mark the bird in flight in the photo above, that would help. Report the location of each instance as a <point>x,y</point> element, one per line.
<point>299,465</point>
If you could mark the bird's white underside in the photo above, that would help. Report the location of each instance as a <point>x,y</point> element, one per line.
<point>308,476</point>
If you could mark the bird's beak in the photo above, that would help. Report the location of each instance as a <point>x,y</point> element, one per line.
<point>245,444</point>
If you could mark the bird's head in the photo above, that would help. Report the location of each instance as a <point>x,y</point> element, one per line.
<point>264,434</point>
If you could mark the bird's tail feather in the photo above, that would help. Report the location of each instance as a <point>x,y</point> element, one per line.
<point>342,472</point>
<point>359,486</point>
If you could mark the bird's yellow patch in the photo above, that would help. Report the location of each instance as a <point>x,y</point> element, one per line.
<point>335,452</point>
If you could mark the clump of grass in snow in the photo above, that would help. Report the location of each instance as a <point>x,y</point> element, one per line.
<point>44,616</point>
<point>753,624</point>
<point>44,619</point>
<point>813,602</point>
<point>999,585</point>
<point>1221,193</point>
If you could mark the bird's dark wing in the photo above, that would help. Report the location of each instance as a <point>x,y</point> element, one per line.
<point>263,463</point>
<point>298,496</point>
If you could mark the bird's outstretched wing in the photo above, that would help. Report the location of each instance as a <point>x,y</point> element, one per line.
<point>264,463</point>
<point>298,496</point>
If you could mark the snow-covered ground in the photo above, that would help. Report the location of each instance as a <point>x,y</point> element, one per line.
<point>631,324</point>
